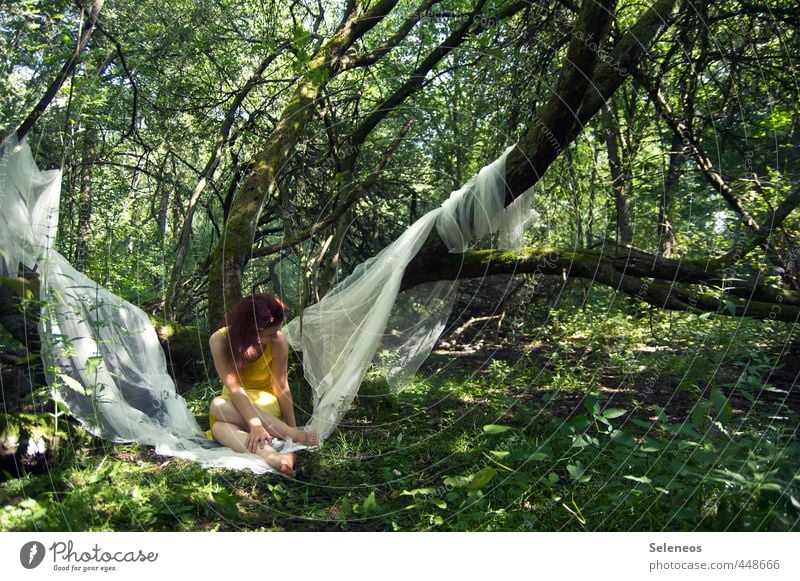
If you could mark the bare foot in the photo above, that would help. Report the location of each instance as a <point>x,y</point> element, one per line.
<point>287,464</point>
<point>303,437</point>
<point>283,463</point>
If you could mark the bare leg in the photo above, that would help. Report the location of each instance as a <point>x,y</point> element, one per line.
<point>235,438</point>
<point>224,410</point>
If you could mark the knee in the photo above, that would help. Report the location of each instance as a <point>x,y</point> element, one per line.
<point>216,429</point>
<point>220,431</point>
<point>217,408</point>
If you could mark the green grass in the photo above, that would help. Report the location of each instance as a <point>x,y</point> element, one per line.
<point>603,422</point>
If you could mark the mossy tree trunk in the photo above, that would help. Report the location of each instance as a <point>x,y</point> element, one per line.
<point>234,249</point>
<point>20,368</point>
<point>675,284</point>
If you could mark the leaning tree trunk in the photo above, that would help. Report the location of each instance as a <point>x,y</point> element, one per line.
<point>675,284</point>
<point>579,88</point>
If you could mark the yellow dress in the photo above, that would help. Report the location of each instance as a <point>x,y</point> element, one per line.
<point>256,379</point>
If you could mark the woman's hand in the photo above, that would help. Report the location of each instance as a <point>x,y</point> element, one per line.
<point>257,438</point>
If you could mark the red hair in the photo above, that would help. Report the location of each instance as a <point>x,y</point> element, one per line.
<point>246,320</point>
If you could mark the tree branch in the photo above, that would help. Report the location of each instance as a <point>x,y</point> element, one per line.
<point>415,80</point>
<point>704,163</point>
<point>234,248</point>
<point>528,162</point>
<point>66,71</point>
<point>356,194</point>
<point>208,174</point>
<point>675,284</point>
<point>763,232</point>
<point>373,56</point>
<point>135,105</point>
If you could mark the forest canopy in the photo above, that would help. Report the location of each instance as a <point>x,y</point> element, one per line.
<point>300,139</point>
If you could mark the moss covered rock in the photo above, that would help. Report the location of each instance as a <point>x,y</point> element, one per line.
<point>28,442</point>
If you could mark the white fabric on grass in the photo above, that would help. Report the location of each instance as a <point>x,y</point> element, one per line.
<point>102,356</point>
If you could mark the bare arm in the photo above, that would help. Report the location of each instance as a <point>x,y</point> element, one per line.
<point>280,378</point>
<point>226,369</point>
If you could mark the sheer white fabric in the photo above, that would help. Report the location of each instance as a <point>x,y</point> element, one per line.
<point>101,354</point>
<point>340,335</point>
<point>104,361</point>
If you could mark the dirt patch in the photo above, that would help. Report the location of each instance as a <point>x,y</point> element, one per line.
<point>640,393</point>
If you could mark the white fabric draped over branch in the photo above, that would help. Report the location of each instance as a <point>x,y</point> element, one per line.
<point>340,335</point>
<point>103,359</point>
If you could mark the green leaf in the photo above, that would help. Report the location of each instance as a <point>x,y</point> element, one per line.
<point>481,478</point>
<point>456,481</point>
<point>650,445</point>
<point>579,422</point>
<point>499,453</point>
<point>724,410</point>
<point>300,36</point>
<point>370,504</point>
<point>731,476</point>
<point>318,75</point>
<point>496,429</point>
<point>581,441</point>
<point>684,430</point>
<point>92,363</point>
<point>642,423</point>
<point>226,503</point>
<point>576,470</point>
<point>771,486</point>
<point>640,479</point>
<point>28,358</point>
<point>537,457</point>
<point>612,413</point>
<point>623,438</point>
<point>420,491</point>
<point>550,396</point>
<point>699,412</point>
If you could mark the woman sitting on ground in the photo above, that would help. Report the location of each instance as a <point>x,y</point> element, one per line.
<point>251,357</point>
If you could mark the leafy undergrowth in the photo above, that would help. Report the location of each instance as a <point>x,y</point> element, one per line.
<point>595,421</point>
